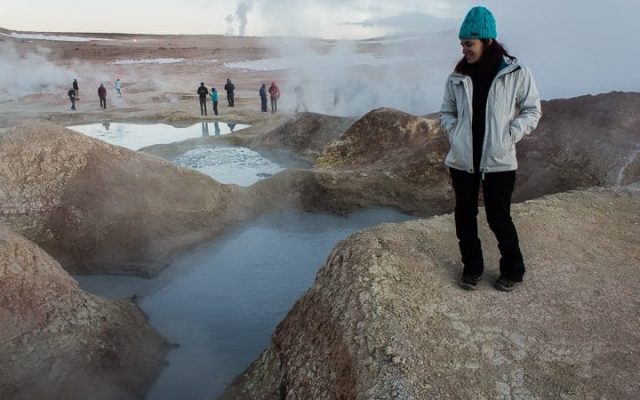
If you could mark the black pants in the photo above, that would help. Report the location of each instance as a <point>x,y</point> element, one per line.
<point>497,188</point>
<point>215,107</point>
<point>263,104</point>
<point>230,98</point>
<point>73,103</point>
<point>103,102</point>
<point>203,106</point>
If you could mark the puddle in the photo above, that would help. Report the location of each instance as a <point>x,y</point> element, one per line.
<point>137,136</point>
<point>222,301</point>
<point>225,163</point>
<point>229,164</point>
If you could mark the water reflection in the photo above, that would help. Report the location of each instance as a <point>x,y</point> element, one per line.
<point>205,128</point>
<point>216,126</point>
<point>137,136</point>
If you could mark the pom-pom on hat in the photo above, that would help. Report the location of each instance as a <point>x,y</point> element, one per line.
<point>478,24</point>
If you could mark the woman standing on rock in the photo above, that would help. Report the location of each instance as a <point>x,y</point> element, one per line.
<point>490,103</point>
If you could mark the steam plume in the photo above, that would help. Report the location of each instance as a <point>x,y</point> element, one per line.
<point>241,12</point>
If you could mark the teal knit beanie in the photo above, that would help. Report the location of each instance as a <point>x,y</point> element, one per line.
<point>478,24</point>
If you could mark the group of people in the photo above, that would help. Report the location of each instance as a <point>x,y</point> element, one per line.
<point>203,92</point>
<point>274,95</point>
<point>74,93</point>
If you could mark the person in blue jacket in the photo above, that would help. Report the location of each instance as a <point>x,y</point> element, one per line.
<point>214,100</point>
<point>490,103</point>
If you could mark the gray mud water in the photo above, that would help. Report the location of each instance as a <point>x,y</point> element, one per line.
<point>222,301</point>
<point>233,164</point>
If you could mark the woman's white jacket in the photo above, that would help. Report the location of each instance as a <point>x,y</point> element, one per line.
<point>513,110</point>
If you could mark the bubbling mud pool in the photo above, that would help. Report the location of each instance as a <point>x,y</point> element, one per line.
<point>222,301</point>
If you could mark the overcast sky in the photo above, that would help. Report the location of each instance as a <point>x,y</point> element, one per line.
<point>323,18</point>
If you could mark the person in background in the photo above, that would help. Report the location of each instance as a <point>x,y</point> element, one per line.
<point>76,89</point>
<point>300,98</point>
<point>118,87</point>
<point>490,103</point>
<point>229,87</point>
<point>274,94</point>
<point>263,98</point>
<point>72,97</point>
<point>102,94</point>
<point>214,99</point>
<point>202,93</point>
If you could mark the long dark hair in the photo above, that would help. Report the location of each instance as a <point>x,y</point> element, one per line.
<point>492,56</point>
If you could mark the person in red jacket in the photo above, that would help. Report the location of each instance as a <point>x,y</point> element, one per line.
<point>102,94</point>
<point>274,94</point>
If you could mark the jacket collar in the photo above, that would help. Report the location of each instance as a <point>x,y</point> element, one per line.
<point>506,67</point>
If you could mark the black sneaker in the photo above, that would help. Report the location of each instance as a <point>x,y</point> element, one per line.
<point>505,284</point>
<point>469,282</point>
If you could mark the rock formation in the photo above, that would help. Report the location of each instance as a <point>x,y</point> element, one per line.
<point>58,342</point>
<point>395,154</point>
<point>102,208</point>
<point>386,320</point>
<point>306,134</point>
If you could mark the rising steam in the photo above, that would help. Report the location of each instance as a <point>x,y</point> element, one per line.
<point>23,74</point>
<point>241,12</point>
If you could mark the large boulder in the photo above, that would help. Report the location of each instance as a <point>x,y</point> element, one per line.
<point>58,342</point>
<point>306,134</point>
<point>102,208</point>
<point>385,318</point>
<point>394,159</point>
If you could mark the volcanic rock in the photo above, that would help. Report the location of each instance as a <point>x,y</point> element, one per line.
<point>58,342</point>
<point>306,134</point>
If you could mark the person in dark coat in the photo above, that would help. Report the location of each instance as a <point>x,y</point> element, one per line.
<point>203,92</point>
<point>76,89</point>
<point>230,88</point>
<point>102,94</point>
<point>263,98</point>
<point>72,96</point>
